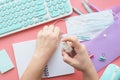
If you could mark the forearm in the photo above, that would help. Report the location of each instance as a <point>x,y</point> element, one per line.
<point>35,68</point>
<point>47,41</point>
<point>90,74</point>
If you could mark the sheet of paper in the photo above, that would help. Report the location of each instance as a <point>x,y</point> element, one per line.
<point>5,62</point>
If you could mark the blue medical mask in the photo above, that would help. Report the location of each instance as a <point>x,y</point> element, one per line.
<point>88,26</point>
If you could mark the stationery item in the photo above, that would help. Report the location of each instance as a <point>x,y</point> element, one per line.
<point>116,11</point>
<point>67,48</point>
<point>86,6</point>
<point>5,62</point>
<point>102,58</point>
<point>91,56</point>
<point>55,67</point>
<point>77,11</point>
<point>88,26</point>
<point>112,72</point>
<point>109,45</point>
<point>93,7</point>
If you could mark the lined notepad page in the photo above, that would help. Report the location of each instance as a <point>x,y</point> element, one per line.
<point>56,66</point>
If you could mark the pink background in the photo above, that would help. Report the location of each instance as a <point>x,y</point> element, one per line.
<point>30,34</point>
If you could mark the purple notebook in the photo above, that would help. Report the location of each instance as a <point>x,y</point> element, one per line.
<point>107,43</point>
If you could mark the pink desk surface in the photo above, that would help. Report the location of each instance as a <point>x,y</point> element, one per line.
<point>30,34</point>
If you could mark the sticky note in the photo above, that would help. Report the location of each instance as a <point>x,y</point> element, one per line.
<point>5,62</point>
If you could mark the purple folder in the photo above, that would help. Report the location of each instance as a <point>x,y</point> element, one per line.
<point>108,45</point>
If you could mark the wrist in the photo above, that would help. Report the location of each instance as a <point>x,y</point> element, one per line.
<point>43,56</point>
<point>44,51</point>
<point>88,68</point>
<point>90,73</point>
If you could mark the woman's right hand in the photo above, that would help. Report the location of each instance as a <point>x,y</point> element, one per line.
<point>80,60</point>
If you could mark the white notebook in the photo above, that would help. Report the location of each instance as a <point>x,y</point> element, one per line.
<point>56,66</point>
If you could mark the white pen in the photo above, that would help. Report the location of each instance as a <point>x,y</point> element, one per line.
<point>86,6</point>
<point>77,11</point>
<point>67,48</point>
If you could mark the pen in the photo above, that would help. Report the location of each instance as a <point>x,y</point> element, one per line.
<point>93,7</point>
<point>67,48</point>
<point>77,11</point>
<point>86,6</point>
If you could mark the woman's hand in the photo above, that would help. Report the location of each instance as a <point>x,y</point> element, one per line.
<point>80,60</point>
<point>47,40</point>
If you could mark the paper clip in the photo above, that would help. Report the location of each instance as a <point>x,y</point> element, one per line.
<point>86,6</point>
<point>102,58</point>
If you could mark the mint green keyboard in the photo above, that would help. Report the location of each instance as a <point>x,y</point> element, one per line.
<point>18,15</point>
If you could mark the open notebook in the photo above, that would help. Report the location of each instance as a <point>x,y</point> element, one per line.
<point>56,66</point>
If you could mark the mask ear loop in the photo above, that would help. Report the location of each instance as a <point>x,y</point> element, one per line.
<point>60,20</point>
<point>116,16</point>
<point>63,20</point>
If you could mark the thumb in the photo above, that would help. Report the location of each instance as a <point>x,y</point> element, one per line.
<point>68,59</point>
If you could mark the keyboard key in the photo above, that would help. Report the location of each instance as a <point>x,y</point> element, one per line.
<point>10,23</point>
<point>28,5</point>
<point>29,22</point>
<point>9,29</point>
<point>59,1</point>
<point>41,13</point>
<point>56,8</point>
<point>12,10</point>
<point>0,26</point>
<point>28,1</point>
<point>61,6</point>
<point>54,2</point>
<point>24,1</point>
<point>24,18</point>
<point>64,0</point>
<point>40,7</point>
<point>52,15</point>
<point>0,20</point>
<point>14,5</point>
<point>50,9</point>
<point>49,4</point>
<point>19,3</point>
<point>6,12</point>
<point>39,2</point>
<point>5,24</point>
<point>2,2</point>
<point>56,13</point>
<point>62,11</point>
<point>47,0</point>
<point>66,6</point>
<point>5,18</point>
